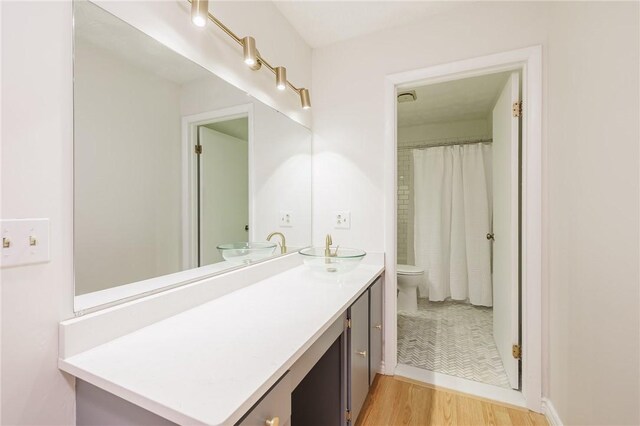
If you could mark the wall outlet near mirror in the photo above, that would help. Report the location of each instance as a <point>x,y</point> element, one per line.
<point>342,219</point>
<point>286,219</point>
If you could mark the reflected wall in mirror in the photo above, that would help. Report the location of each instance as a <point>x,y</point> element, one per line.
<point>170,162</point>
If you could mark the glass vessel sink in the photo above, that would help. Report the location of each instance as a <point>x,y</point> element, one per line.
<point>342,260</point>
<point>244,253</point>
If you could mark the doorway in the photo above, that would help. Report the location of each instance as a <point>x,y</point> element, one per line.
<point>217,153</point>
<point>458,303</point>
<point>526,63</point>
<point>222,174</point>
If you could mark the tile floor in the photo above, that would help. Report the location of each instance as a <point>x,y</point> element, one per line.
<point>453,338</point>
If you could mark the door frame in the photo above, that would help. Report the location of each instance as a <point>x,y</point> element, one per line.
<point>529,61</point>
<point>190,124</point>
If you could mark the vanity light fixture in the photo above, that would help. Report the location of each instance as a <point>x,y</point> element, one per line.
<point>199,12</point>
<point>252,57</point>
<point>281,78</point>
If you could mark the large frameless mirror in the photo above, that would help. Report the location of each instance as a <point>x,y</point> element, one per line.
<point>177,174</point>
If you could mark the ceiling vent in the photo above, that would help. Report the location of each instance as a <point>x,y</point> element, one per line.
<point>408,96</point>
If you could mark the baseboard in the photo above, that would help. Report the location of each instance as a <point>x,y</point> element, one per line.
<point>550,413</point>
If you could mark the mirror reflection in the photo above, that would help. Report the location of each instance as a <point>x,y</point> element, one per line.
<point>175,169</point>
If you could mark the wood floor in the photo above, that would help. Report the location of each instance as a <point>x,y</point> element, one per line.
<point>396,401</point>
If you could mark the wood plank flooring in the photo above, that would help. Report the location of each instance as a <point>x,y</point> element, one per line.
<point>394,401</point>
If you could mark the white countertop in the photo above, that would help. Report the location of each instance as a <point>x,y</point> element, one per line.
<point>211,363</point>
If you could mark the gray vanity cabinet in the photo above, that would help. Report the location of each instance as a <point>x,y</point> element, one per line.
<point>365,346</point>
<point>359,354</point>
<point>375,329</point>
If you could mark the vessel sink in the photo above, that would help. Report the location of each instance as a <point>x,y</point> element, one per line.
<point>244,253</point>
<point>342,260</point>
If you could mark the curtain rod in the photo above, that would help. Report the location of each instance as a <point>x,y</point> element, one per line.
<point>425,145</point>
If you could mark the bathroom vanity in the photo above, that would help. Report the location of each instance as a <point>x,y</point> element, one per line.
<point>274,343</point>
<point>166,331</point>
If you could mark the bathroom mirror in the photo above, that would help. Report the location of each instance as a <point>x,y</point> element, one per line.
<point>170,162</point>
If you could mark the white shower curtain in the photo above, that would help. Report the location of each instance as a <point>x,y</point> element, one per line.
<point>452,216</point>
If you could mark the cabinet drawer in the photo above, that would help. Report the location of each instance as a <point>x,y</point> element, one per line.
<point>274,407</point>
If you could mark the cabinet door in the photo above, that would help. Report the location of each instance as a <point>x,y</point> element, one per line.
<point>359,354</point>
<point>274,407</point>
<point>375,329</point>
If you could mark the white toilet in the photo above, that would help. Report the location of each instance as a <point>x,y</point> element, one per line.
<point>409,278</point>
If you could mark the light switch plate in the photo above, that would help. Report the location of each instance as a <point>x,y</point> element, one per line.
<point>25,242</point>
<point>286,219</point>
<point>342,219</point>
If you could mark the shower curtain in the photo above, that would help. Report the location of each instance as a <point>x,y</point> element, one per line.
<point>452,216</point>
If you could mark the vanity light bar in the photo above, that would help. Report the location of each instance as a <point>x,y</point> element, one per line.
<point>250,52</point>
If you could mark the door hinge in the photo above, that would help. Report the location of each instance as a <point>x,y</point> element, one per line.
<point>517,109</point>
<point>198,149</point>
<point>516,351</point>
<point>348,323</point>
<point>348,415</point>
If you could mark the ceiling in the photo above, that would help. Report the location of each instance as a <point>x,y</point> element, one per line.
<point>467,99</point>
<point>321,23</point>
<point>238,128</point>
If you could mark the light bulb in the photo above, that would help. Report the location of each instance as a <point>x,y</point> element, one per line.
<point>199,12</point>
<point>281,78</point>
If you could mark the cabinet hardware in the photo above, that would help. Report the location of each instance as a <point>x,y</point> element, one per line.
<point>490,237</point>
<point>348,323</point>
<point>362,353</point>
<point>379,326</point>
<point>273,422</point>
<point>348,415</point>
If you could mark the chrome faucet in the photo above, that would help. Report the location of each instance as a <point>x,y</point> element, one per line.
<point>283,242</point>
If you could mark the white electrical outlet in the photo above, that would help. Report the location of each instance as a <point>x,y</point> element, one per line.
<point>24,241</point>
<point>286,219</point>
<point>342,220</point>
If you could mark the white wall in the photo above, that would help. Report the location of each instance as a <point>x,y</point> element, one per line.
<point>590,176</point>
<point>593,212</point>
<point>128,184</point>
<point>37,182</point>
<point>37,171</point>
<point>439,132</point>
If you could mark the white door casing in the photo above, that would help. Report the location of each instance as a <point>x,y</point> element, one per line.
<point>528,60</point>
<point>505,227</point>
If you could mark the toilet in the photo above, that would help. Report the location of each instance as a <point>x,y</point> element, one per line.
<point>409,278</point>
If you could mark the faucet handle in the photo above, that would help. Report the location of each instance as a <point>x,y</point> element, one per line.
<point>328,240</point>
